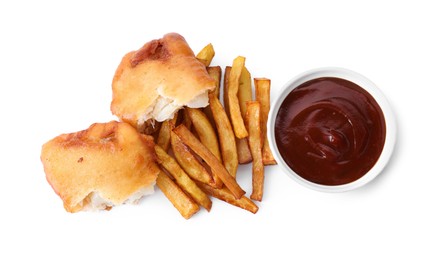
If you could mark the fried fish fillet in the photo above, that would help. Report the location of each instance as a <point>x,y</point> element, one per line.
<point>155,81</point>
<point>106,165</point>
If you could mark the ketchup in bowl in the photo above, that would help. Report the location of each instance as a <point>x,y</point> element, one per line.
<point>330,131</point>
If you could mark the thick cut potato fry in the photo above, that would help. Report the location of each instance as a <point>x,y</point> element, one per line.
<point>205,131</point>
<point>225,195</point>
<point>244,95</point>
<point>244,91</point>
<point>225,88</point>
<point>267,155</point>
<point>226,135</point>
<point>188,161</point>
<point>182,179</point>
<point>186,119</point>
<point>217,168</point>
<point>216,181</point>
<point>243,151</point>
<point>234,106</point>
<point>216,74</point>
<point>182,202</point>
<point>163,139</point>
<point>253,117</point>
<point>206,54</point>
<point>262,89</point>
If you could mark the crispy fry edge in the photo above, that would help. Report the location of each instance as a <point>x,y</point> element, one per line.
<point>234,106</point>
<point>218,168</point>
<point>253,117</point>
<point>183,203</point>
<point>182,178</point>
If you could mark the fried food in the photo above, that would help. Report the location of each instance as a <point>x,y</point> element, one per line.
<point>155,81</point>
<point>242,144</point>
<point>253,117</point>
<point>104,166</point>
<point>166,128</point>
<point>243,151</point>
<point>244,95</point>
<point>188,161</point>
<point>217,168</point>
<point>186,119</point>
<point>262,86</point>
<point>198,150</point>
<point>225,195</point>
<point>225,88</point>
<point>206,54</point>
<point>244,91</point>
<point>181,201</point>
<point>182,179</point>
<point>232,94</point>
<point>205,131</point>
<point>216,73</point>
<point>226,135</point>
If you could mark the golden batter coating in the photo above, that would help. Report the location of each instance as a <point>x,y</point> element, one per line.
<point>106,165</point>
<point>157,80</point>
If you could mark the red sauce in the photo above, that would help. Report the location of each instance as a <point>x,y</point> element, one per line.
<point>330,131</point>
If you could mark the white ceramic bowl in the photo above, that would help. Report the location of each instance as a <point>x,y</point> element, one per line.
<point>362,82</point>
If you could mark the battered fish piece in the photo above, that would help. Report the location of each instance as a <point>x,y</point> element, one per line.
<point>104,166</point>
<point>157,80</point>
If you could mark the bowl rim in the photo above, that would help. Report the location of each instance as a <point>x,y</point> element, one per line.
<point>363,82</point>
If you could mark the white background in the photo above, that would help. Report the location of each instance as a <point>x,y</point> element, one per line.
<point>56,65</point>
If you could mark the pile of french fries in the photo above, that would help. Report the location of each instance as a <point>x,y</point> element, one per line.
<point>199,150</point>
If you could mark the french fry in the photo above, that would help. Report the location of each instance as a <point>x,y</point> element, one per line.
<point>243,150</point>
<point>181,201</point>
<point>267,155</point>
<point>205,131</point>
<point>225,195</point>
<point>244,95</point>
<point>226,135</point>
<point>163,139</point>
<point>216,181</point>
<point>262,88</point>
<point>211,142</point>
<point>234,106</point>
<point>217,168</point>
<point>244,91</point>
<point>188,161</point>
<point>186,119</point>
<point>182,179</point>
<point>242,145</point>
<point>215,73</point>
<point>225,88</point>
<point>253,117</point>
<point>206,54</point>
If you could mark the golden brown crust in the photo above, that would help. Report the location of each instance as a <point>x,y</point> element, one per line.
<point>161,68</point>
<point>110,159</point>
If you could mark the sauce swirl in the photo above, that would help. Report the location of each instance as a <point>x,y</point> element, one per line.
<point>330,131</point>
